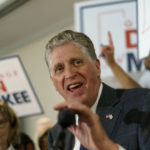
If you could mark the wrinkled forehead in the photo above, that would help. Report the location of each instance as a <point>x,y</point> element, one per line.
<point>67,52</point>
<point>73,44</point>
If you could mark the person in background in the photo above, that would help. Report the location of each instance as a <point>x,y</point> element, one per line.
<point>9,127</point>
<point>107,52</point>
<point>147,62</point>
<point>10,136</point>
<point>103,120</point>
<point>24,142</point>
<point>43,126</point>
<point>43,140</point>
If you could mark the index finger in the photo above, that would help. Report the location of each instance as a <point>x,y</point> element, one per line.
<point>60,106</point>
<point>110,41</point>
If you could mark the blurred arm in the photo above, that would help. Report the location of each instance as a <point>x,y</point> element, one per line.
<point>147,62</point>
<point>125,80</point>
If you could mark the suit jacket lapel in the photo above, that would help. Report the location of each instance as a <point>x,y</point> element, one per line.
<point>69,140</point>
<point>108,117</point>
<point>108,110</point>
<point>107,106</point>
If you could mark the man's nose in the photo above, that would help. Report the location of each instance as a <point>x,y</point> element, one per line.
<point>70,72</point>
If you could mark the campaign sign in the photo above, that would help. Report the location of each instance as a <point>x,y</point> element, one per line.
<point>97,18</point>
<point>16,88</point>
<point>143,28</point>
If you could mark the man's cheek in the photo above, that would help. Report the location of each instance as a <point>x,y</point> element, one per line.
<point>56,84</point>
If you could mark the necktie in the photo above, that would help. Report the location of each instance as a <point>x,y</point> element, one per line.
<point>82,147</point>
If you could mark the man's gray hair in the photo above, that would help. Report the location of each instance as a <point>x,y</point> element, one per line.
<point>79,39</point>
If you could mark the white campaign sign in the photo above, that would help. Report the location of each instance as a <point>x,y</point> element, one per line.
<point>143,28</point>
<point>16,89</point>
<point>96,18</point>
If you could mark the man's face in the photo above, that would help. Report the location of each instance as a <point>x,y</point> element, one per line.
<point>74,74</point>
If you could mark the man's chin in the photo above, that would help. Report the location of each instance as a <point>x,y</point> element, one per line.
<point>79,99</point>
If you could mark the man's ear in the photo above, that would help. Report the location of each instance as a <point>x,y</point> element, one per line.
<point>98,67</point>
<point>51,77</point>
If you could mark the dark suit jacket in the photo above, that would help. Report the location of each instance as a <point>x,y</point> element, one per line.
<point>117,103</point>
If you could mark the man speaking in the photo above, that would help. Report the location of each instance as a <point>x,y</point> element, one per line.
<point>75,72</point>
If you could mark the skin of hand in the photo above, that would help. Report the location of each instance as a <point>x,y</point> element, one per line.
<point>147,63</point>
<point>108,51</point>
<point>89,131</point>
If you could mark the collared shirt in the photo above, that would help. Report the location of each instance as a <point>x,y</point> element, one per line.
<point>93,108</point>
<point>10,148</point>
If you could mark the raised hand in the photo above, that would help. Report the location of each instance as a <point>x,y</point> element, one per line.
<point>147,62</point>
<point>89,132</point>
<point>108,51</point>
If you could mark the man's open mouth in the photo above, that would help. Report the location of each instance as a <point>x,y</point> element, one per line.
<point>74,86</point>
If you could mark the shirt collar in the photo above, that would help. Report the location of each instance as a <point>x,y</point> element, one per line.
<point>94,106</point>
<point>10,148</point>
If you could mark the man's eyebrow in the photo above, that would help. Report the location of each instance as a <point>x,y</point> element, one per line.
<point>75,58</point>
<point>58,64</point>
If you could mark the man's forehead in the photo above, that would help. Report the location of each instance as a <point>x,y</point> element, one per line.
<point>59,55</point>
<point>67,55</point>
<point>69,59</point>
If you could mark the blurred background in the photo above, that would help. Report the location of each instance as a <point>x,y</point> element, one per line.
<point>25,28</point>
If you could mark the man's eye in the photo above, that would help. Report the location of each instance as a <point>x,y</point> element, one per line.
<point>77,62</point>
<point>59,69</point>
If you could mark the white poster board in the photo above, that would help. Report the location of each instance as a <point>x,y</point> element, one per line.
<point>143,28</point>
<point>16,88</point>
<point>96,18</point>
